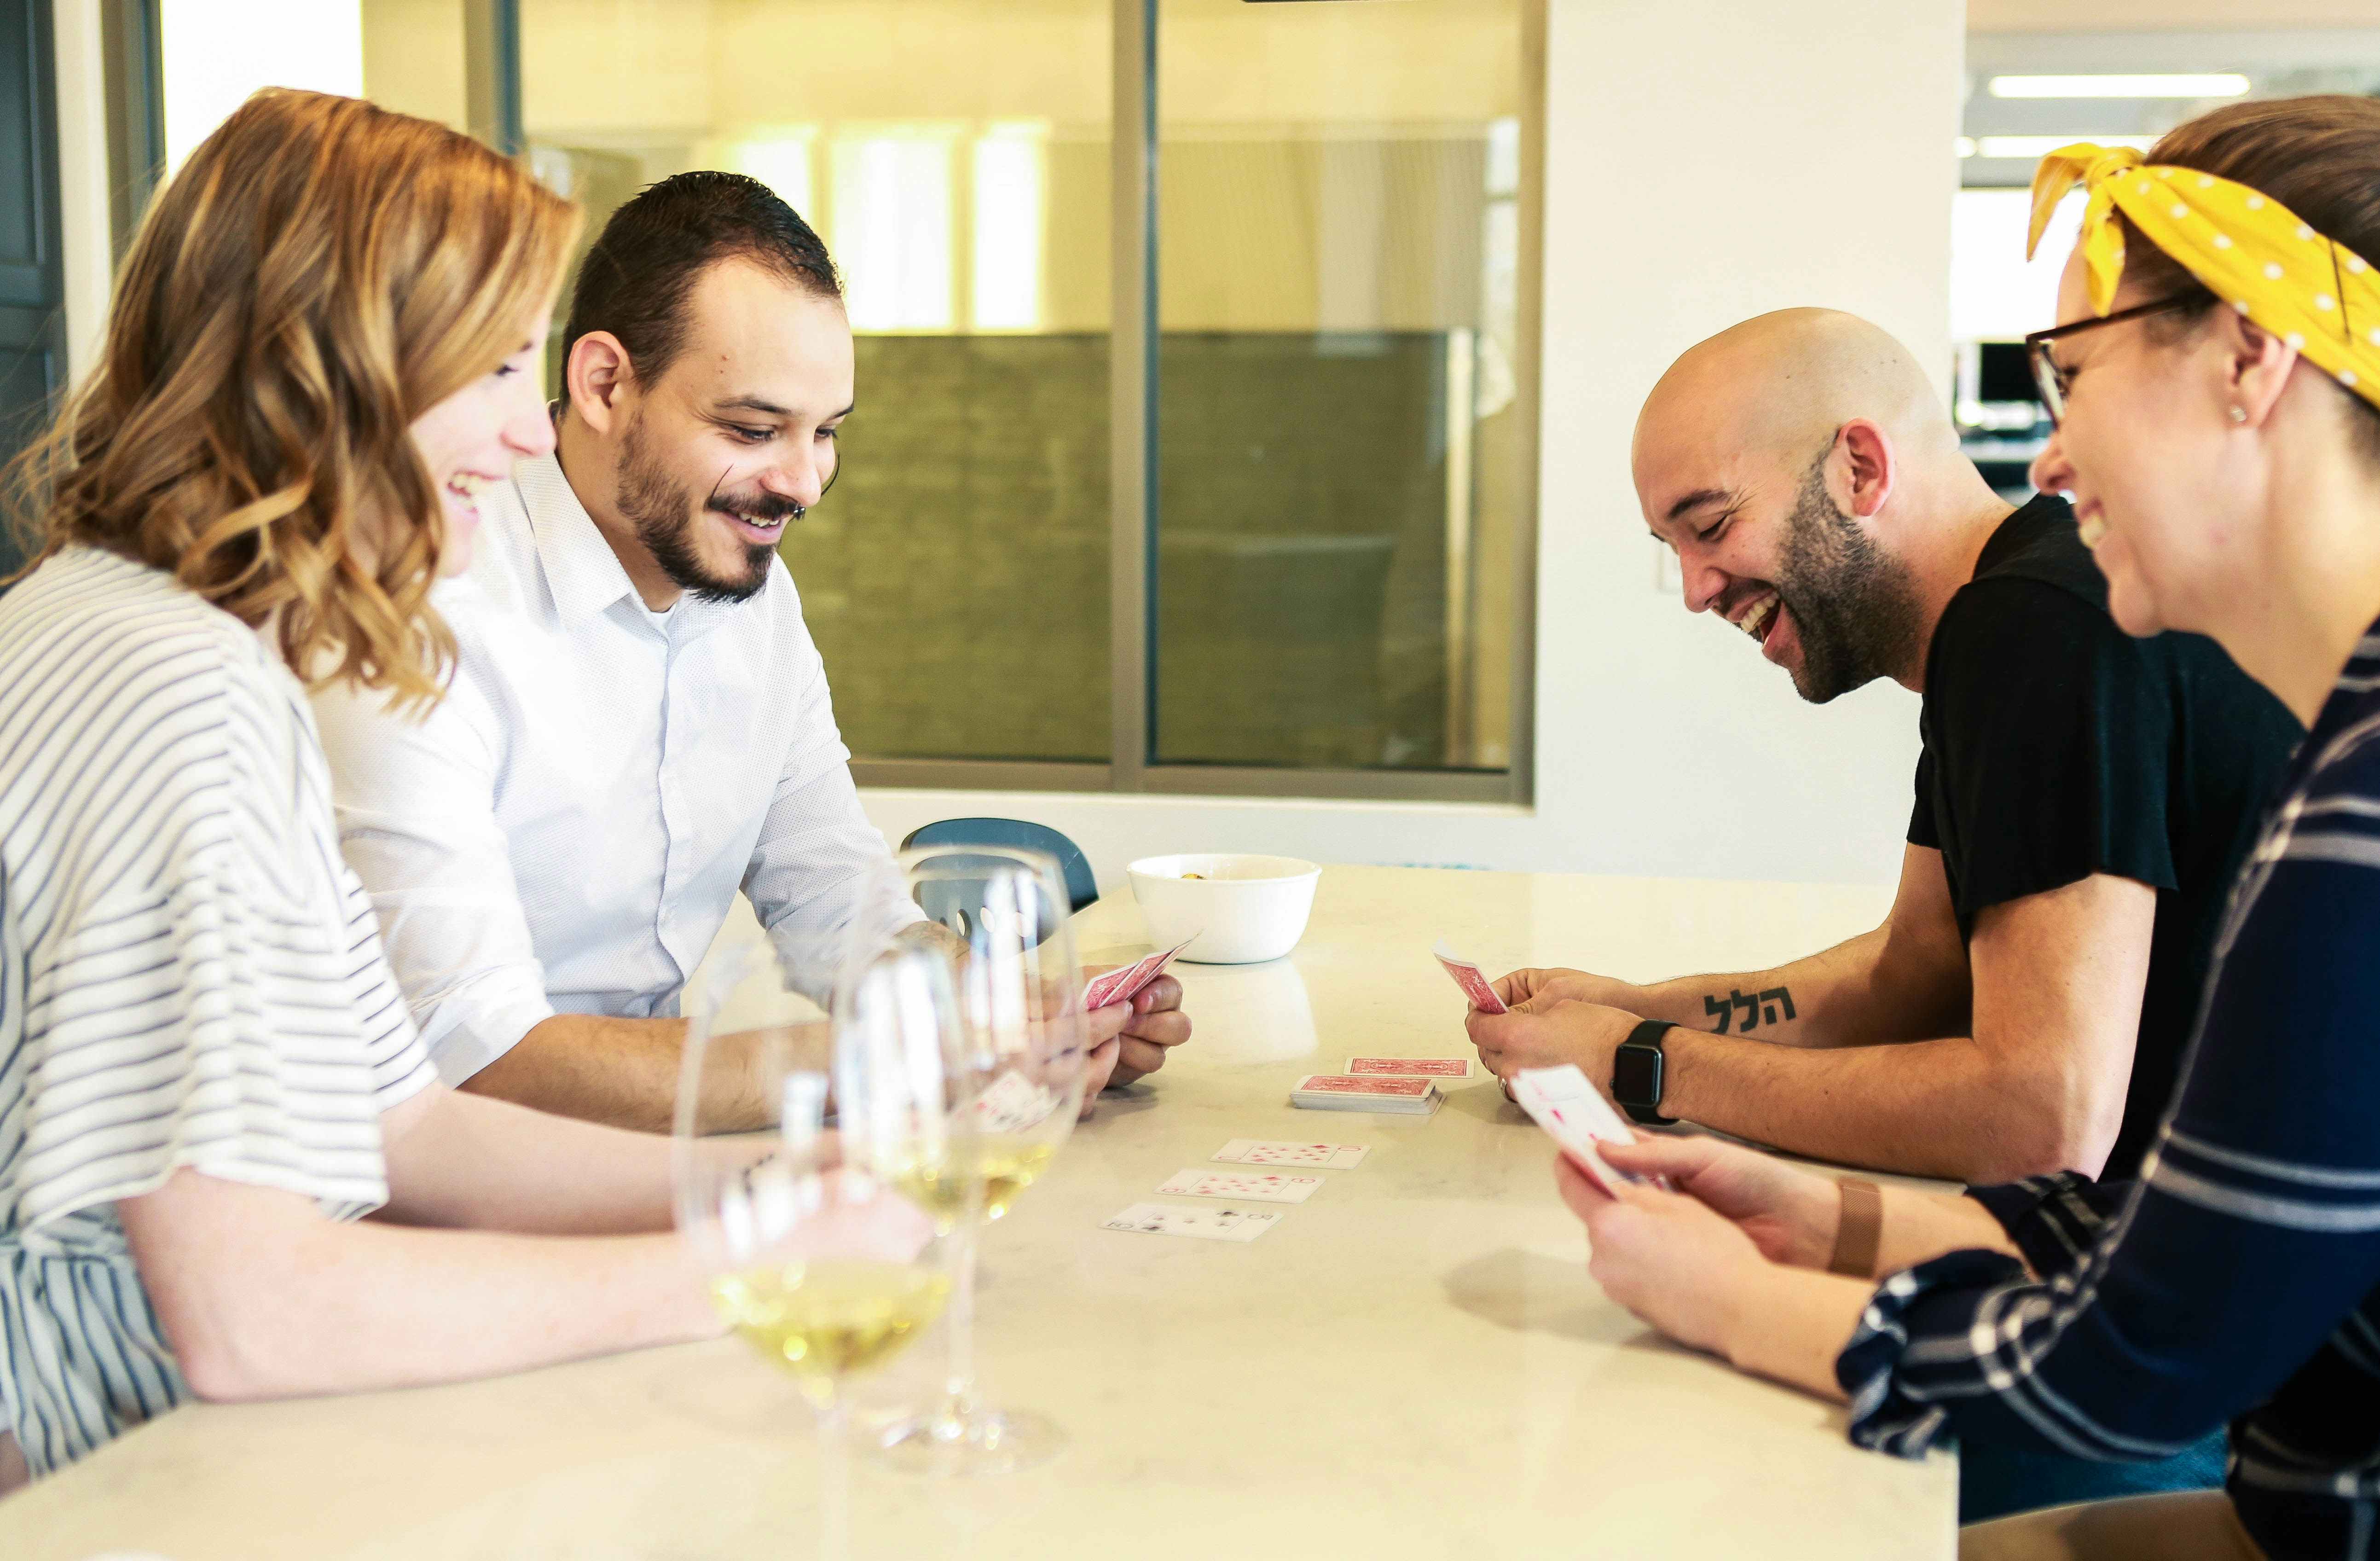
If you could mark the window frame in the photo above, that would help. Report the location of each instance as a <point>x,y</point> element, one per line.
<point>1132,766</point>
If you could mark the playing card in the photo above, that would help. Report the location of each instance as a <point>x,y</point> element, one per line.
<point>1340,1091</point>
<point>1241,1185</point>
<point>1466,976</point>
<point>1208,1225</point>
<point>1577,1115</point>
<point>1013,1103</point>
<point>1277,1151</point>
<point>1121,984</point>
<point>1412,1068</point>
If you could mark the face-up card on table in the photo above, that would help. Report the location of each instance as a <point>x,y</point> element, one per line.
<point>1207,1225</point>
<point>1467,976</point>
<point>1410,1067</point>
<point>1577,1115</point>
<point>1122,983</point>
<point>1279,1152</point>
<point>1243,1186</point>
<point>1345,1091</point>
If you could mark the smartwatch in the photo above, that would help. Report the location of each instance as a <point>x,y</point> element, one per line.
<point>1636,1073</point>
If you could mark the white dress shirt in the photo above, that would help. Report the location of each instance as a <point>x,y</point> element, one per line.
<point>566,832</point>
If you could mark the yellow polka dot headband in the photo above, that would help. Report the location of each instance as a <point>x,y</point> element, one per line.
<point>2249,250</point>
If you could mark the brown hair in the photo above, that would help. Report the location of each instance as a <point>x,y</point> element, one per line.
<point>319,273</point>
<point>2318,156</point>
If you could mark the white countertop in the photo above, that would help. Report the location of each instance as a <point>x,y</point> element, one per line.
<point>1413,1364</point>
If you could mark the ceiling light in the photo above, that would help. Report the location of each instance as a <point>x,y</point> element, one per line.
<point>2037,147</point>
<point>2219,85</point>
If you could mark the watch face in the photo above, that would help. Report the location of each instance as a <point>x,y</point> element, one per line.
<point>1636,1077</point>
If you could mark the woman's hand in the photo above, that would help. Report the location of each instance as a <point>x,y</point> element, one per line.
<point>1695,1274</point>
<point>1667,1258</point>
<point>1791,1214</point>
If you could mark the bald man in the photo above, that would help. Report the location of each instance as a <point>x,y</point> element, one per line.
<point>2084,798</point>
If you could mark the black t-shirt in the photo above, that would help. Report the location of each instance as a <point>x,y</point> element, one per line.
<point>2057,745</point>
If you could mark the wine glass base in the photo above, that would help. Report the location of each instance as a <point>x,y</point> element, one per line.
<point>986,1441</point>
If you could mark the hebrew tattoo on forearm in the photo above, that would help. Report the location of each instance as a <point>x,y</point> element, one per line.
<point>1758,1010</point>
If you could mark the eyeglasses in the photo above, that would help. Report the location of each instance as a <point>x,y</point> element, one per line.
<point>2051,380</point>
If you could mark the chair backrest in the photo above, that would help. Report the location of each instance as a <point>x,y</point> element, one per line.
<point>1082,889</point>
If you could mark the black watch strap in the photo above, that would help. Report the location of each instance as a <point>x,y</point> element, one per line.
<point>1636,1073</point>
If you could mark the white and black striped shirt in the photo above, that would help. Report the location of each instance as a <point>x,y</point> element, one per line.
<point>189,976</point>
<point>2239,1278</point>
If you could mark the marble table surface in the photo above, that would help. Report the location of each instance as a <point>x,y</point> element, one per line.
<point>1413,1364</point>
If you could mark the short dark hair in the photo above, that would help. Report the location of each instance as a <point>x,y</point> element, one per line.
<point>635,279</point>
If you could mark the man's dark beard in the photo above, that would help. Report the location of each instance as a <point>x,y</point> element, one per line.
<point>665,515</point>
<point>1853,605</point>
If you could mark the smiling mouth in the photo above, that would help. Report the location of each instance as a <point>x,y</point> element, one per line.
<point>468,486</point>
<point>760,531</point>
<point>1759,620</point>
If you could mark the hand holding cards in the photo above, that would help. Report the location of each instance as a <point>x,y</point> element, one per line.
<point>1122,983</point>
<point>1578,1117</point>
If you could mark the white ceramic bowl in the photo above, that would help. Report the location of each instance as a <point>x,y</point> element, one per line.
<point>1242,908</point>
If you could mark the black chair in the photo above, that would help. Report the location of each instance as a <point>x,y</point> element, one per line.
<point>1082,889</point>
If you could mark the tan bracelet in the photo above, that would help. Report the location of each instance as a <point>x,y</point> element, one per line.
<point>1858,1230</point>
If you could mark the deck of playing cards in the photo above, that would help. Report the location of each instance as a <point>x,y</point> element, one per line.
<point>1347,1091</point>
<point>1410,1067</point>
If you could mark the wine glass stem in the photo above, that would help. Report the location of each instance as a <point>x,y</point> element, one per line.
<point>834,1478</point>
<point>958,1404</point>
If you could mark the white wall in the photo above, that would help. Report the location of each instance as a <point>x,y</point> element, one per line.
<point>1706,160</point>
<point>217,52</point>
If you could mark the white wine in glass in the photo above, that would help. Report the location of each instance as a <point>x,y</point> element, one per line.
<point>1006,913</point>
<point>816,1256</point>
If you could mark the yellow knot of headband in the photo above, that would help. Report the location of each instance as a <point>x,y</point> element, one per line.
<point>2249,250</point>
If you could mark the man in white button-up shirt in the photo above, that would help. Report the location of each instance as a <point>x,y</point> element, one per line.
<point>638,723</point>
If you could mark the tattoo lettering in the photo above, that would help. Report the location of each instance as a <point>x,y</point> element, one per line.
<point>1758,1009</point>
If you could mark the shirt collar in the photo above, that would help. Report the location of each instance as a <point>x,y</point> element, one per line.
<point>580,568</point>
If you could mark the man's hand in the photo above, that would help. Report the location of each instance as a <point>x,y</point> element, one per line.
<point>1542,989</point>
<point>1098,1067</point>
<point>1152,1024</point>
<point>1545,1030</point>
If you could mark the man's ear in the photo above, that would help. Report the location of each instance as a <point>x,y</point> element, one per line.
<point>2256,365</point>
<point>1861,468</point>
<point>596,380</point>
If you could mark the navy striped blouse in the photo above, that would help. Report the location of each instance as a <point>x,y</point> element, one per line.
<point>189,975</point>
<point>2239,1278</point>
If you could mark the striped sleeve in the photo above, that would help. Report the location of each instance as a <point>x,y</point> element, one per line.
<point>2055,1221</point>
<point>202,979</point>
<point>2254,1236</point>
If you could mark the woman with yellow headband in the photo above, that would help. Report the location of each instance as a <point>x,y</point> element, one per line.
<point>2215,381</point>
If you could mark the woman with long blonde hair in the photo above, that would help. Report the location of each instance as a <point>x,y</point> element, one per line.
<point>325,339</point>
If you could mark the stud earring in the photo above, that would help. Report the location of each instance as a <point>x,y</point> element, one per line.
<point>2239,414</point>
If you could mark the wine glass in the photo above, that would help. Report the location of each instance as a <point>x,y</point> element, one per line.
<point>815,1255</point>
<point>1005,911</point>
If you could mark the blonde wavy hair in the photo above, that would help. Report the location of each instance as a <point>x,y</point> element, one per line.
<point>319,273</point>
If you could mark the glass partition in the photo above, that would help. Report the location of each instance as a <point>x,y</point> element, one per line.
<point>1338,444</point>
